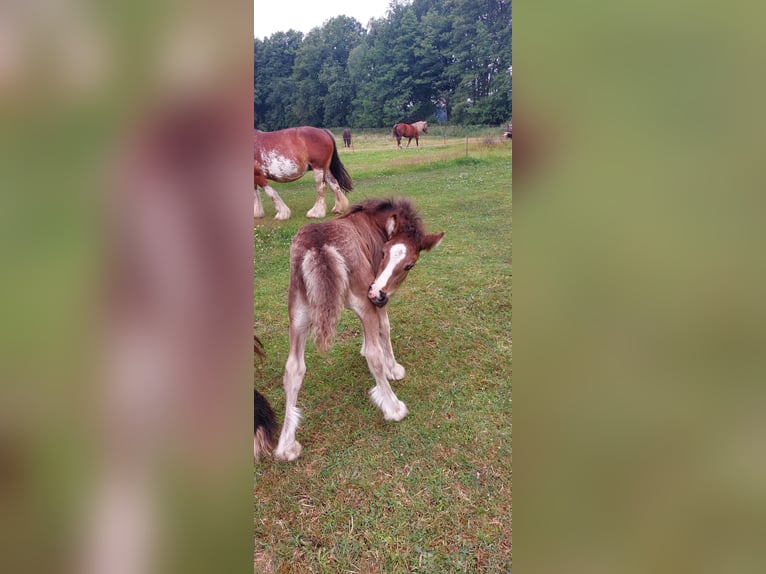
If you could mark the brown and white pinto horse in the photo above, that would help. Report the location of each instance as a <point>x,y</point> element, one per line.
<point>356,261</point>
<point>408,131</point>
<point>286,155</point>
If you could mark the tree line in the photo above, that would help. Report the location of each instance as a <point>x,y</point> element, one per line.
<point>437,60</point>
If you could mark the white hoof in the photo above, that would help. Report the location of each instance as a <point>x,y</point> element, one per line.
<point>397,373</point>
<point>398,413</point>
<point>289,453</point>
<point>317,212</point>
<point>283,215</point>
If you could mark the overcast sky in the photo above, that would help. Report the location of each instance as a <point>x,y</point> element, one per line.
<point>303,15</point>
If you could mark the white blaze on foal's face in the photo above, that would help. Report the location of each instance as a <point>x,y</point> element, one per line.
<point>398,259</point>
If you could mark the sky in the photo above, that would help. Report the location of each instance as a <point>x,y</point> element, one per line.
<point>303,15</point>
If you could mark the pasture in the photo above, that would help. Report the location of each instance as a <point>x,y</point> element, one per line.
<point>431,493</point>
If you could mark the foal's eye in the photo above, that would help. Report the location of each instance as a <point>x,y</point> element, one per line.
<point>409,266</point>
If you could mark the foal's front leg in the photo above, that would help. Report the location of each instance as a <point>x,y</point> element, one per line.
<point>382,395</point>
<point>394,370</point>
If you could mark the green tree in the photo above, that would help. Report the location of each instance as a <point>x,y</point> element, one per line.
<point>273,62</point>
<point>422,56</point>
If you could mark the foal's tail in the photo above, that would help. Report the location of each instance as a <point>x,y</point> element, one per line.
<point>338,170</point>
<point>326,279</point>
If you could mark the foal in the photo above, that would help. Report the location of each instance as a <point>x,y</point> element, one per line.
<point>356,261</point>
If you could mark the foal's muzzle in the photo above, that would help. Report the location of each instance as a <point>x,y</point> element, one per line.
<point>380,300</point>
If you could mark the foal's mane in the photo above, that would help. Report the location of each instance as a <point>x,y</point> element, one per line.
<point>408,220</point>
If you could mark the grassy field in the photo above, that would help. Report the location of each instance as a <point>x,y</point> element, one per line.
<point>431,493</point>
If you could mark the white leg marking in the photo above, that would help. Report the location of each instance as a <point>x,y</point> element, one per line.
<point>283,212</point>
<point>288,448</point>
<point>341,201</point>
<point>295,369</point>
<point>381,394</point>
<point>258,205</point>
<point>394,370</point>
<point>319,210</point>
<point>393,409</point>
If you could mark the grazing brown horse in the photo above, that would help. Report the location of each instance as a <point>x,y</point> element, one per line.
<point>347,138</point>
<point>356,261</point>
<point>408,131</point>
<point>286,155</point>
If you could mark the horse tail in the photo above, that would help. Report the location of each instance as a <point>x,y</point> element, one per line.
<point>325,276</point>
<point>338,170</point>
<point>264,425</point>
<point>393,131</point>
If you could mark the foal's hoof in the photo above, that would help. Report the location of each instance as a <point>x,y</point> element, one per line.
<point>398,413</point>
<point>289,453</point>
<point>397,373</point>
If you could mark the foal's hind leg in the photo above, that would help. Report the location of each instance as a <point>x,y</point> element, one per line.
<point>319,210</point>
<point>295,369</point>
<point>381,394</point>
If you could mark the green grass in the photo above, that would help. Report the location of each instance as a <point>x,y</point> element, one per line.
<point>431,493</point>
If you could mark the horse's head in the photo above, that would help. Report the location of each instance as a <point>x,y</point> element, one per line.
<point>425,127</point>
<point>400,253</point>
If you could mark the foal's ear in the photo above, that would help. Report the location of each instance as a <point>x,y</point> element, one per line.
<point>391,226</point>
<point>431,241</point>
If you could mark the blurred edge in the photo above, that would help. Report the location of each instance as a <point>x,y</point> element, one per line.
<point>127,286</point>
<point>638,314</point>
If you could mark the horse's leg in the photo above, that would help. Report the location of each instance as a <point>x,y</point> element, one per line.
<point>394,370</point>
<point>417,139</point>
<point>409,141</point>
<point>295,369</point>
<point>283,212</point>
<point>319,210</point>
<point>341,202</point>
<point>382,395</point>
<point>258,205</point>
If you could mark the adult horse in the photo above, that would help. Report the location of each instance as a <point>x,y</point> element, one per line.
<point>286,155</point>
<point>409,131</point>
<point>356,261</point>
<point>346,137</point>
